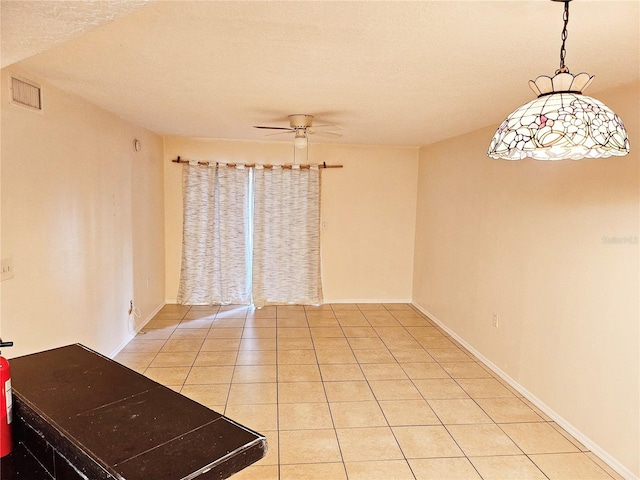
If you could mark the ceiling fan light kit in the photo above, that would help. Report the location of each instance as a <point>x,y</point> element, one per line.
<point>300,140</point>
<point>561,123</point>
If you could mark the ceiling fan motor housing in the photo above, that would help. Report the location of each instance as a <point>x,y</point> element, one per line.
<point>300,121</point>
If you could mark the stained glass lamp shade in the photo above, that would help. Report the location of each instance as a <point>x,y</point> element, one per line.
<point>561,123</point>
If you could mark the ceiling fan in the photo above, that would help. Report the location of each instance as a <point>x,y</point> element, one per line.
<point>302,125</point>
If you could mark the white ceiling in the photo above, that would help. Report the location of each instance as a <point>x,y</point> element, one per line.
<point>387,72</point>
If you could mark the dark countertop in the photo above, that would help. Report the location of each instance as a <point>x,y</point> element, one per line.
<point>111,422</point>
<point>20,464</point>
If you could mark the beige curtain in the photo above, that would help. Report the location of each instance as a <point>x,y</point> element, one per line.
<point>286,237</point>
<point>216,241</point>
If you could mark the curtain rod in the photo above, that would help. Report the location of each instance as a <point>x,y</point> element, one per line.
<point>253,165</point>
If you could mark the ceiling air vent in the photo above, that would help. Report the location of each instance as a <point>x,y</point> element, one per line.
<point>26,94</point>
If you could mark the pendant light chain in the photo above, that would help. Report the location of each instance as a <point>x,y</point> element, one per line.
<point>565,34</point>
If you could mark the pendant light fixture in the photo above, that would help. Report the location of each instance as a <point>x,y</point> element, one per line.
<point>562,122</point>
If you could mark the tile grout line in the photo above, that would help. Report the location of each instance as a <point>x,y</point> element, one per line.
<point>165,343</point>
<point>235,361</point>
<point>404,455</point>
<point>335,430</point>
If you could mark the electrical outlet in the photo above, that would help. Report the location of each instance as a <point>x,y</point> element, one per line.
<point>495,320</point>
<point>7,269</point>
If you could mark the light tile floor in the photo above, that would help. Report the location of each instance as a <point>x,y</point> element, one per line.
<point>357,391</point>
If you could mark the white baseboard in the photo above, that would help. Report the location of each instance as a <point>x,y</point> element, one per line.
<point>138,327</point>
<point>149,317</point>
<point>172,301</point>
<point>577,434</point>
<point>119,348</point>
<point>367,300</point>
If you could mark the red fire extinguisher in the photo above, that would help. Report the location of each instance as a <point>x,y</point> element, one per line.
<point>6,405</point>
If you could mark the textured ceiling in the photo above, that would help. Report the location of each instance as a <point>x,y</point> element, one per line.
<point>387,72</point>
<point>30,27</point>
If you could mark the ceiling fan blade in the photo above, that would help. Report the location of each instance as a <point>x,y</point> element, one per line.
<point>324,134</point>
<point>275,128</point>
<point>327,127</point>
<point>279,133</point>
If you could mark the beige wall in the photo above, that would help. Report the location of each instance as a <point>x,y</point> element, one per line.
<point>368,208</point>
<point>530,241</point>
<point>82,219</point>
